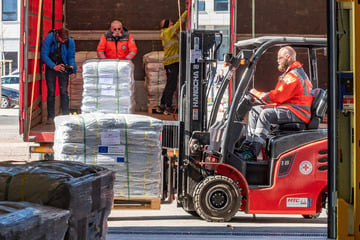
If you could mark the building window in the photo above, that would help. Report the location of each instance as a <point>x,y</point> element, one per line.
<point>7,67</point>
<point>221,5</point>
<point>201,6</point>
<point>9,10</point>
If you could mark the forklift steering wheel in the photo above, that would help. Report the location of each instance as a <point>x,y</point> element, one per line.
<point>254,99</point>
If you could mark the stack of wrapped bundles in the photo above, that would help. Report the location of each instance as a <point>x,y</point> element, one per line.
<point>76,82</point>
<point>108,86</point>
<point>24,220</point>
<point>155,77</point>
<point>85,190</point>
<point>125,143</point>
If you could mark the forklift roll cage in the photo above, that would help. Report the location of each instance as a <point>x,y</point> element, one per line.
<point>259,46</point>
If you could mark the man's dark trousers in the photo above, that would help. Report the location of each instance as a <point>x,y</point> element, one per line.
<point>172,72</point>
<point>50,76</point>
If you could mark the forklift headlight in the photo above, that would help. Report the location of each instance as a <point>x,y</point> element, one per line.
<point>194,146</point>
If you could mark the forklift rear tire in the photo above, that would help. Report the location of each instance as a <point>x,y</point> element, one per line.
<point>217,199</point>
<point>312,216</point>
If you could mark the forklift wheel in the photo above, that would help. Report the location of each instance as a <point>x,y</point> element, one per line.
<point>217,199</point>
<point>312,216</point>
<point>192,213</point>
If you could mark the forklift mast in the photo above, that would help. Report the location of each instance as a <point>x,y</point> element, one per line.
<point>198,53</point>
<point>198,56</point>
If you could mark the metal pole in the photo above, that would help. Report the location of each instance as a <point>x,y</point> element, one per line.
<point>332,144</point>
<point>253,19</point>
<point>356,157</point>
<point>179,12</point>
<point>35,61</point>
<point>195,14</point>
<point>0,89</point>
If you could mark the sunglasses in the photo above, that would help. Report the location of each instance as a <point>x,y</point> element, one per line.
<point>117,29</point>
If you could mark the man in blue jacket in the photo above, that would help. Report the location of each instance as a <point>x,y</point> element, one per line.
<point>58,53</point>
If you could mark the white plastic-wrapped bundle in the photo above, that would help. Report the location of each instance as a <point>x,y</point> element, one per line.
<point>126,143</point>
<point>108,86</point>
<point>155,77</point>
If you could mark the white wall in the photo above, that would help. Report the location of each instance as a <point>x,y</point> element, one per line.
<point>211,18</point>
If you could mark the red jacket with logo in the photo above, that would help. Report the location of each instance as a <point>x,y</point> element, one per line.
<point>123,47</point>
<point>293,92</point>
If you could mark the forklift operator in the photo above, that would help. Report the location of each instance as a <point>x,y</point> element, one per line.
<point>289,102</point>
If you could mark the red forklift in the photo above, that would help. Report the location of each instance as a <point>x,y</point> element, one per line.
<point>213,182</point>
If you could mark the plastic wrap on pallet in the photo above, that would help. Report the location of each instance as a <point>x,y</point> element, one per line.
<point>109,86</point>
<point>85,190</point>
<point>153,57</point>
<point>155,77</point>
<point>24,220</point>
<point>125,143</point>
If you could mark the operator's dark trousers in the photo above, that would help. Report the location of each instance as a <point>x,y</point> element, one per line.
<point>261,117</point>
<point>50,76</point>
<point>172,72</point>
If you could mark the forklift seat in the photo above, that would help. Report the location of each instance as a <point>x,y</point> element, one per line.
<point>318,109</point>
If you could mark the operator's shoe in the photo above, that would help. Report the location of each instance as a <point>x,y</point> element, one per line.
<point>248,155</point>
<point>245,146</point>
<point>160,109</point>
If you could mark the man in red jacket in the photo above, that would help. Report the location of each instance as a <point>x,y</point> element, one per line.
<point>117,43</point>
<point>289,102</point>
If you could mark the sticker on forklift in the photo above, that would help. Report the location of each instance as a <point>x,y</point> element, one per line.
<point>305,167</point>
<point>195,114</point>
<point>298,202</point>
<point>195,55</point>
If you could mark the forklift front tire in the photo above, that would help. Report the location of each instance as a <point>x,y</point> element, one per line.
<point>193,213</point>
<point>217,198</point>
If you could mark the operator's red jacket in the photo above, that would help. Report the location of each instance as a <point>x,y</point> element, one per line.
<point>293,92</point>
<point>122,48</point>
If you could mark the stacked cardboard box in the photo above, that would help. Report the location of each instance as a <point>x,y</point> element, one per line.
<point>76,82</point>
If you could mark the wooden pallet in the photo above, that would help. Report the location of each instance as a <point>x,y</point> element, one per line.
<point>152,109</point>
<point>136,203</point>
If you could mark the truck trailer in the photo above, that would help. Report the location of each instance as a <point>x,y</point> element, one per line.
<point>210,180</point>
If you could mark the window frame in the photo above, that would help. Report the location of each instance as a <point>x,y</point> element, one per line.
<point>204,5</point>
<point>221,3</point>
<point>9,15</point>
